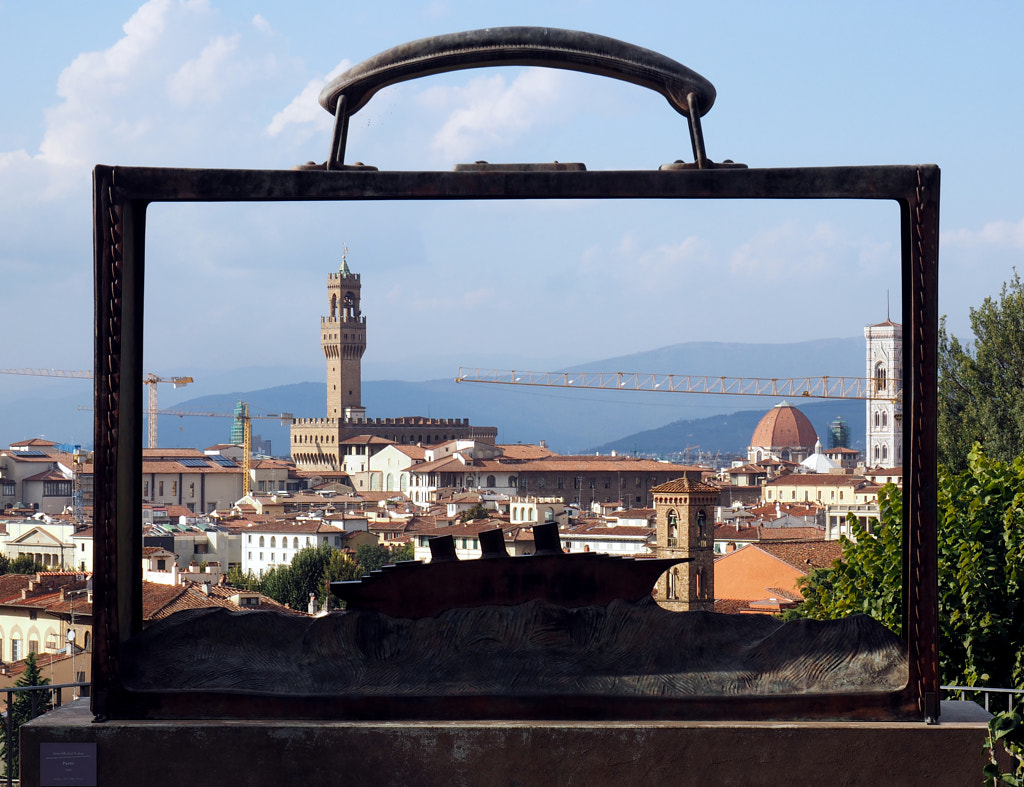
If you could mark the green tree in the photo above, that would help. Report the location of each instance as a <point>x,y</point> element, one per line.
<point>23,564</point>
<point>476,511</point>
<point>981,571</point>
<point>27,705</point>
<point>370,558</point>
<point>979,385</point>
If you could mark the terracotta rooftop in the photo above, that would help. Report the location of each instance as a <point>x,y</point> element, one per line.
<point>684,485</point>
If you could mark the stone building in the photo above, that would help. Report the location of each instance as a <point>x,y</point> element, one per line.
<point>684,527</point>
<point>884,407</point>
<point>784,434</point>
<point>319,443</point>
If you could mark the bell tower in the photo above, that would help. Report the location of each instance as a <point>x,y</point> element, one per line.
<point>685,527</point>
<point>884,406</point>
<point>343,339</point>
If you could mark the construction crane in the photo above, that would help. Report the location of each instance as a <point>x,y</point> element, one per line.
<point>246,418</point>
<point>150,381</point>
<point>811,387</point>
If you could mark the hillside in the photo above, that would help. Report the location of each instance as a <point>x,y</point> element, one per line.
<point>570,421</point>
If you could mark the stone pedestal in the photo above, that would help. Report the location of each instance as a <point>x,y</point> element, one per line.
<point>156,753</point>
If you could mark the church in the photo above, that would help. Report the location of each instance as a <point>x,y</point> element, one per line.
<point>318,443</point>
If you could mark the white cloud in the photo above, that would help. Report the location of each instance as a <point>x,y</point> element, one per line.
<point>1000,234</point>
<point>650,267</point>
<point>789,248</point>
<point>489,112</point>
<point>262,24</point>
<point>304,113</point>
<point>199,79</point>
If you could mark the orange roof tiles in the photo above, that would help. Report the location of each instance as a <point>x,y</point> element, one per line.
<point>784,426</point>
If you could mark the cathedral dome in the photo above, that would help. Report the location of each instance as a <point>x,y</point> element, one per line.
<point>784,427</point>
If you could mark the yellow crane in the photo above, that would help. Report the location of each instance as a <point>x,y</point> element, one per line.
<point>246,418</point>
<point>809,387</point>
<point>150,381</point>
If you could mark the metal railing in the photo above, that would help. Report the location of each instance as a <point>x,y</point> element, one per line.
<point>1010,696</point>
<point>38,704</point>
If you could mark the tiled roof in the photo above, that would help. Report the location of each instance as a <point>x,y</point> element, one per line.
<point>47,475</point>
<point>528,451</point>
<point>818,479</point>
<point>804,555</point>
<point>161,601</point>
<point>784,426</point>
<point>35,442</point>
<point>366,439</point>
<point>634,513</point>
<point>730,606</point>
<point>293,526</point>
<point>684,485</point>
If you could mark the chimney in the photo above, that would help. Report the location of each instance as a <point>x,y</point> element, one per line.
<point>206,588</point>
<point>312,604</point>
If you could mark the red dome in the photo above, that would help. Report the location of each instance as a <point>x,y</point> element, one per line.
<point>784,427</point>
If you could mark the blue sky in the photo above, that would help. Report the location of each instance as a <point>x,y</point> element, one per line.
<point>233,84</point>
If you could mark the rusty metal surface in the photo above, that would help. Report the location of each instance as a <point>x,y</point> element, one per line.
<point>413,589</point>
<point>122,194</point>
<point>126,191</point>
<point>686,91</point>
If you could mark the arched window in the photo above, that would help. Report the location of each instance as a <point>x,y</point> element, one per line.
<point>295,542</point>
<point>549,515</point>
<point>673,532</point>
<point>390,483</point>
<point>672,576</point>
<point>880,375</point>
<point>261,541</point>
<point>702,528</point>
<point>512,481</point>
<point>876,452</point>
<point>885,452</point>
<point>273,542</point>
<point>491,481</point>
<point>885,419</point>
<point>877,423</point>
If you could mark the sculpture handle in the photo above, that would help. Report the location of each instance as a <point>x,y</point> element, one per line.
<point>687,92</point>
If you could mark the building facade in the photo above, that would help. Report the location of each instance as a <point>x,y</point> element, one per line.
<point>884,405</point>
<point>319,443</point>
<point>684,527</point>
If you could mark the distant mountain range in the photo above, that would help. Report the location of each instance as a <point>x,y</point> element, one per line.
<point>570,421</point>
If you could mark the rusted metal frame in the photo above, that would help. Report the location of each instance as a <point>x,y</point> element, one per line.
<point>121,197</point>
<point>119,250</point>
<point>920,230</point>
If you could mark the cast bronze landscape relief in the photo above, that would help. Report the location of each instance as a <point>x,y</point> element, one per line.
<point>524,630</point>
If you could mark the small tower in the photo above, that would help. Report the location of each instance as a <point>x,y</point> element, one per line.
<point>884,406</point>
<point>684,527</point>
<point>343,339</point>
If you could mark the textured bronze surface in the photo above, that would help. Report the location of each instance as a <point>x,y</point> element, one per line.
<point>421,590</point>
<point>121,196</point>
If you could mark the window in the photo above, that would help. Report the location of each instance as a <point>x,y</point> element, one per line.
<point>145,488</point>
<point>191,490</point>
<point>262,544</point>
<point>161,565</point>
<point>491,481</point>
<point>33,646</point>
<point>273,542</point>
<point>33,614</point>
<point>161,492</point>
<point>250,538</point>
<point>15,650</point>
<point>174,487</point>
<point>673,531</point>
<point>295,542</point>
<point>56,488</point>
<point>879,377</point>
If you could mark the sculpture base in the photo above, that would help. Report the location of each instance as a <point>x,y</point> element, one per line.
<point>172,753</point>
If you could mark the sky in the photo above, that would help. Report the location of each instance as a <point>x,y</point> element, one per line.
<point>234,293</point>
